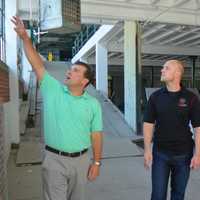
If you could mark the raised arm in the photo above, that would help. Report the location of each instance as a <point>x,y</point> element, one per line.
<point>31,53</point>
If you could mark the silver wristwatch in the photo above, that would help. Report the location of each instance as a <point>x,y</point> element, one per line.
<point>98,163</point>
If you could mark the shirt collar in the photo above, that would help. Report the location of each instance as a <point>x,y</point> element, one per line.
<point>165,90</point>
<point>85,94</point>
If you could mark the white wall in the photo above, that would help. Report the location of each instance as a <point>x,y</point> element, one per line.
<point>12,109</point>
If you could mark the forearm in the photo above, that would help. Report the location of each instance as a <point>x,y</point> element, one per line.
<point>197,141</point>
<point>97,143</point>
<point>33,57</point>
<point>148,135</point>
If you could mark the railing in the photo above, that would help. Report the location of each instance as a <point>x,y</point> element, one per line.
<point>32,100</point>
<point>86,33</point>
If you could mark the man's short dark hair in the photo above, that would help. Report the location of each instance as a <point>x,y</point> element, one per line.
<point>88,73</point>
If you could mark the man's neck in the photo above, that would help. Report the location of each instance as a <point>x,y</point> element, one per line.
<point>173,87</point>
<point>76,91</point>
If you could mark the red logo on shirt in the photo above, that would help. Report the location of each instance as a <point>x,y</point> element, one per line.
<point>182,102</point>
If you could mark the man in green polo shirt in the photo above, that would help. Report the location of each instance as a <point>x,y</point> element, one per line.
<point>72,123</point>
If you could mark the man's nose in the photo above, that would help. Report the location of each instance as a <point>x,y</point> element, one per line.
<point>68,72</point>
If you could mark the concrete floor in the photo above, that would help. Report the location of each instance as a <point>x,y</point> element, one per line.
<point>122,177</point>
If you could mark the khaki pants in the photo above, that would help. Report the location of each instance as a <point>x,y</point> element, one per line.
<point>64,178</point>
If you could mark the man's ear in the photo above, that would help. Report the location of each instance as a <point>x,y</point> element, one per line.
<point>85,81</point>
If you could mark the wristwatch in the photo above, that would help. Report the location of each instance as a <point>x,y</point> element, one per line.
<point>98,163</point>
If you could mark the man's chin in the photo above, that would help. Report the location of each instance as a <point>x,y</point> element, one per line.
<point>162,79</point>
<point>66,82</point>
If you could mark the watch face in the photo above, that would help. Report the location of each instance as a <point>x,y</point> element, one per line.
<point>98,163</point>
<point>50,14</point>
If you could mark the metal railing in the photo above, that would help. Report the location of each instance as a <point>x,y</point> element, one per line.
<point>86,33</point>
<point>32,100</point>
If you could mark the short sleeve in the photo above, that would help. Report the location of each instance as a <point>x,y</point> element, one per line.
<point>195,112</point>
<point>150,111</point>
<point>96,123</point>
<point>49,85</point>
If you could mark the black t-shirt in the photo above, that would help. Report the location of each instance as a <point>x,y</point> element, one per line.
<point>172,112</point>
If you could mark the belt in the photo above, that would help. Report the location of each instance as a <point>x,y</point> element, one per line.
<point>62,153</point>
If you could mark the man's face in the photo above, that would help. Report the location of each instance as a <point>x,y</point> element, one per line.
<point>75,76</point>
<point>168,72</point>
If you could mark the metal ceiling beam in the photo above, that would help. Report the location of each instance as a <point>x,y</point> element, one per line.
<point>111,54</point>
<point>160,49</point>
<point>196,43</point>
<point>179,36</point>
<point>187,40</point>
<point>154,57</point>
<point>180,3</point>
<point>144,56</point>
<point>154,2</point>
<point>121,55</point>
<point>170,50</point>
<point>163,57</point>
<point>152,30</point>
<point>163,35</point>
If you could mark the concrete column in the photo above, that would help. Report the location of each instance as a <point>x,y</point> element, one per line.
<point>101,68</point>
<point>11,61</point>
<point>130,74</point>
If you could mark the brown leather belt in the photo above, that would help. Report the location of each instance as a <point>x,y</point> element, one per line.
<point>62,153</point>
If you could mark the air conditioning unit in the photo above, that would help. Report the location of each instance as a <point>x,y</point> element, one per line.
<point>60,16</point>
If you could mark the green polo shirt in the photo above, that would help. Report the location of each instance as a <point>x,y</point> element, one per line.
<point>69,120</point>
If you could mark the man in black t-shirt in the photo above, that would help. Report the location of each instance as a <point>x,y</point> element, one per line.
<point>166,121</point>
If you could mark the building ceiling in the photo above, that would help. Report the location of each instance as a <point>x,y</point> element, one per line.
<point>167,11</point>
<point>169,27</point>
<point>171,34</point>
<point>103,11</point>
<point>160,41</point>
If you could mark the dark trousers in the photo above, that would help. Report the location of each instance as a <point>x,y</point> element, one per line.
<point>175,166</point>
